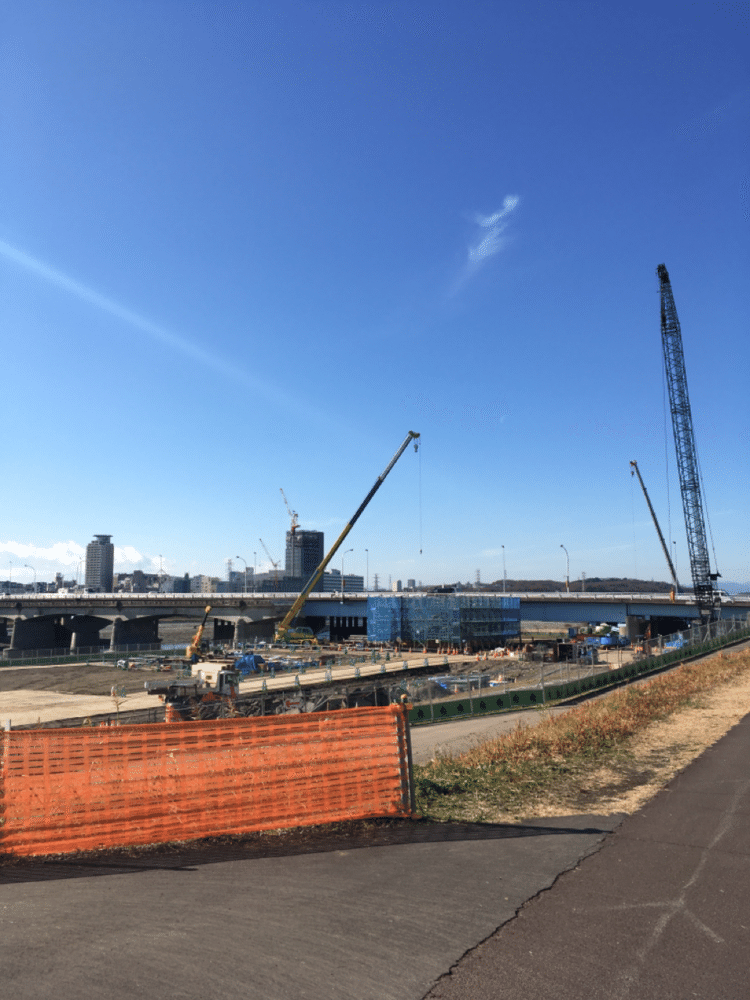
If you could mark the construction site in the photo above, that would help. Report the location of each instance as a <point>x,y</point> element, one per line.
<point>420,659</point>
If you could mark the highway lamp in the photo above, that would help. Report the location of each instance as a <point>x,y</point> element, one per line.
<point>342,573</point>
<point>26,566</point>
<point>503,548</point>
<point>255,568</point>
<point>244,586</point>
<point>567,568</point>
<point>161,575</point>
<point>367,556</point>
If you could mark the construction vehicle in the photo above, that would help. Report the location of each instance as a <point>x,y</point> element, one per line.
<point>286,634</point>
<point>195,645</point>
<point>687,459</point>
<point>210,694</point>
<point>676,587</point>
<point>214,692</point>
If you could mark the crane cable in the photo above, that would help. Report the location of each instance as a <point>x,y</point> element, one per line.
<point>705,513</point>
<point>419,450</point>
<point>700,474</point>
<point>632,515</point>
<point>666,449</point>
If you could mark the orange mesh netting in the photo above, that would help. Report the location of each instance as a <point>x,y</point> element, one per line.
<point>77,789</point>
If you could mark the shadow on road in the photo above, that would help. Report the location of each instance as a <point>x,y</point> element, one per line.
<point>356,835</point>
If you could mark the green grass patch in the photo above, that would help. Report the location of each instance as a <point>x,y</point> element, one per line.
<point>510,774</point>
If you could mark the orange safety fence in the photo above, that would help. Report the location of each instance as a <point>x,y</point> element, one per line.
<point>66,790</point>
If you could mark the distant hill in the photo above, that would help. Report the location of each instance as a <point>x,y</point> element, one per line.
<point>593,585</point>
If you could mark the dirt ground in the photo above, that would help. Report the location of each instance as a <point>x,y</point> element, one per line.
<point>654,757</point>
<point>73,678</point>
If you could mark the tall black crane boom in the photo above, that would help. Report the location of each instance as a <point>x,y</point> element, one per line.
<point>665,550</point>
<point>684,440</point>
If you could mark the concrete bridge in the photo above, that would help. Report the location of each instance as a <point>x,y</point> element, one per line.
<point>70,621</point>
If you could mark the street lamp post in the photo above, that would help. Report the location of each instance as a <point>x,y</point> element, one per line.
<point>567,568</point>
<point>244,586</point>
<point>367,556</point>
<point>342,573</point>
<point>503,548</point>
<point>26,566</point>
<point>255,569</point>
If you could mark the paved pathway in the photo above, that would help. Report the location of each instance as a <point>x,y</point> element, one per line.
<point>662,910</point>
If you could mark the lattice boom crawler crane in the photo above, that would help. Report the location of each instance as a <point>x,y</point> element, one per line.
<point>687,459</point>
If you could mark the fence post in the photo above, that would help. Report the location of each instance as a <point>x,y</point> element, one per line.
<point>409,760</point>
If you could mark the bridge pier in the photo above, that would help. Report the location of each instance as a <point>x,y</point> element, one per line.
<point>32,633</point>
<point>135,632</point>
<point>223,630</point>
<point>245,630</point>
<point>84,632</point>
<point>115,638</point>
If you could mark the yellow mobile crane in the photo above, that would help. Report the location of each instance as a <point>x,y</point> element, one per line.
<point>195,646</point>
<point>284,633</point>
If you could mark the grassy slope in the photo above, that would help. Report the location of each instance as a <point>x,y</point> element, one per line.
<point>504,777</point>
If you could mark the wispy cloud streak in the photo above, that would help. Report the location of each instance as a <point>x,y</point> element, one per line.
<point>489,240</point>
<point>209,359</point>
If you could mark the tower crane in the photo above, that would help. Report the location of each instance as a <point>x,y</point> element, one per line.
<point>687,459</point>
<point>292,513</point>
<point>637,472</point>
<point>273,563</point>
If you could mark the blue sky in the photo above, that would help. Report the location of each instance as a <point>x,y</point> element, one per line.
<point>246,246</point>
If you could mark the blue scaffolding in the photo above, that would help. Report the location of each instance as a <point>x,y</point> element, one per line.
<point>454,619</point>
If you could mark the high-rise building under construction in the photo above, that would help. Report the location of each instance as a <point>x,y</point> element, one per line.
<point>304,552</point>
<point>100,563</point>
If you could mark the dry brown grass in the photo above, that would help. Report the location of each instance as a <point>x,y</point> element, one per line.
<point>514,774</point>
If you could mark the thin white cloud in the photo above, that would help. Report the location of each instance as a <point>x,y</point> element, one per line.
<point>21,558</point>
<point>209,359</point>
<point>59,553</point>
<point>489,240</point>
<point>492,226</point>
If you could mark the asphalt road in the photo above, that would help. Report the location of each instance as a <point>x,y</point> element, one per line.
<point>429,741</point>
<point>342,922</point>
<point>662,910</point>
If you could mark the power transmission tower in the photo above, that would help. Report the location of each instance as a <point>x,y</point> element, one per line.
<point>684,441</point>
